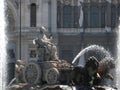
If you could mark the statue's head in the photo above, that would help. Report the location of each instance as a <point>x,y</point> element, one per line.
<point>92,65</point>
<point>42,29</point>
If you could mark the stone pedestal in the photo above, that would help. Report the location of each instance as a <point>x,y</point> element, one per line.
<point>23,86</point>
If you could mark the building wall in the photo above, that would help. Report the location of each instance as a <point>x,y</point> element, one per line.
<point>68,40</point>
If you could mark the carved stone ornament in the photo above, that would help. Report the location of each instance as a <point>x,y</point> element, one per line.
<point>51,76</point>
<point>66,2</point>
<point>69,2</point>
<point>32,73</point>
<point>33,1</point>
<point>94,0</point>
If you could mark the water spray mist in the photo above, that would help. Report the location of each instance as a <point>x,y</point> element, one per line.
<point>2,46</point>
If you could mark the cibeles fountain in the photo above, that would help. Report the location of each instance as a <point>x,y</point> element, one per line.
<point>49,72</point>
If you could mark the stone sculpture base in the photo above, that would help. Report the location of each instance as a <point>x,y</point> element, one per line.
<point>23,86</point>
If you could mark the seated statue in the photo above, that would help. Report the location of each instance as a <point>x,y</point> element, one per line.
<point>45,47</point>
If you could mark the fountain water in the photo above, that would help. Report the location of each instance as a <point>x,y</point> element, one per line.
<point>2,46</point>
<point>99,49</point>
<point>118,60</point>
<point>106,63</point>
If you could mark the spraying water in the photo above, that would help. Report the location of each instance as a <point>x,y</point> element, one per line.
<point>106,63</point>
<point>96,48</point>
<point>2,46</point>
<point>118,60</point>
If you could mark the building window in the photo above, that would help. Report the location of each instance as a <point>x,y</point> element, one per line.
<point>11,53</point>
<point>76,16</point>
<point>94,15</point>
<point>10,19</point>
<point>67,15</point>
<point>86,13</point>
<point>113,15</point>
<point>118,15</point>
<point>118,10</point>
<point>33,15</point>
<point>32,54</point>
<point>103,16</point>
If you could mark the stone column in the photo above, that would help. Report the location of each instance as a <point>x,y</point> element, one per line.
<point>39,13</point>
<point>27,14</point>
<point>49,16</point>
<point>22,13</point>
<point>45,13</point>
<point>17,48</point>
<point>81,13</point>
<point>54,20</point>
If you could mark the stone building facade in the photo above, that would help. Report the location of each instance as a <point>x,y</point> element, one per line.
<point>74,25</point>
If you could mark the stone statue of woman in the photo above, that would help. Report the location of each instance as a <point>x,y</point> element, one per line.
<point>43,42</point>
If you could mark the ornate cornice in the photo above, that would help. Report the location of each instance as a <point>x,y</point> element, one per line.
<point>33,1</point>
<point>69,2</point>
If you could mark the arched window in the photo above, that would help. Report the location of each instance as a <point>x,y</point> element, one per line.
<point>94,16</point>
<point>33,15</point>
<point>86,13</point>
<point>67,15</point>
<point>113,15</point>
<point>103,10</point>
<point>118,10</point>
<point>10,19</point>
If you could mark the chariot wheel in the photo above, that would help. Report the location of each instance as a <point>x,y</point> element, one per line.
<point>32,73</point>
<point>51,76</point>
